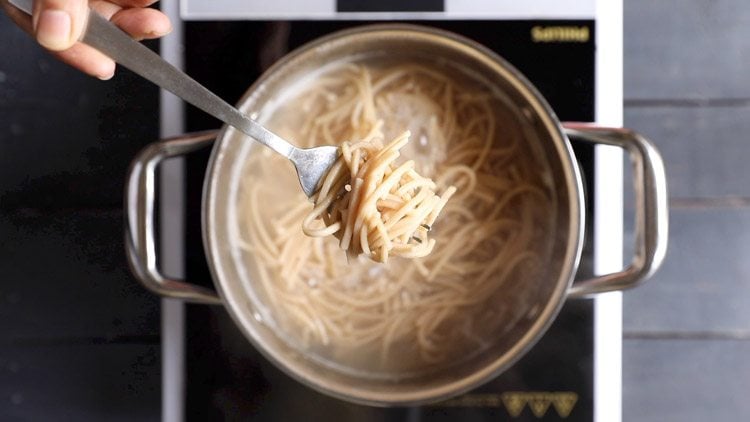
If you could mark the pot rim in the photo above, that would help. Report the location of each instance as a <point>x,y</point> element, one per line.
<point>213,245</point>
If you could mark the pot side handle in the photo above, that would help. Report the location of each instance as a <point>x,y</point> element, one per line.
<point>651,211</point>
<point>140,243</point>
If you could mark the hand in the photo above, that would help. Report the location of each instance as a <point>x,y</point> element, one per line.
<point>58,25</point>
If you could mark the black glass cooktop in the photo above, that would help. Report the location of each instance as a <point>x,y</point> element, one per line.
<point>227,379</point>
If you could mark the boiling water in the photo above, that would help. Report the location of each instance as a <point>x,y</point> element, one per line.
<point>404,317</point>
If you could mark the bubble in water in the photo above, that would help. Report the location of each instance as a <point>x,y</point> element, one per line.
<point>375,271</point>
<point>533,312</point>
<point>528,113</point>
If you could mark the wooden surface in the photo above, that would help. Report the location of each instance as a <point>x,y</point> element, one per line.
<point>79,339</point>
<point>687,331</point>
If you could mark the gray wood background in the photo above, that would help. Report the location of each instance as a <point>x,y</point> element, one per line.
<point>687,332</point>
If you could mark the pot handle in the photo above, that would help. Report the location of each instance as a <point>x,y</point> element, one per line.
<point>140,243</point>
<point>651,214</point>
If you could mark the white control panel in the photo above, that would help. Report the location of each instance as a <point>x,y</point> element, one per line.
<point>386,9</point>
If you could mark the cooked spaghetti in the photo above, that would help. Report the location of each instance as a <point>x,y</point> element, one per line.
<point>419,312</point>
<point>373,206</point>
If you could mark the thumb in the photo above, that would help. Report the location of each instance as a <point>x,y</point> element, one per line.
<point>58,24</point>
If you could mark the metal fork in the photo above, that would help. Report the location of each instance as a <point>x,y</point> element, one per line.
<point>312,164</point>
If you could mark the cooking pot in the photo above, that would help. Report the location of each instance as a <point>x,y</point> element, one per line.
<point>230,149</point>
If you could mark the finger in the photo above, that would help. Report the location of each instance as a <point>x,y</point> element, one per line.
<point>142,23</point>
<point>104,8</point>
<point>134,3</point>
<point>80,56</point>
<point>58,24</point>
<point>138,23</point>
<point>88,60</point>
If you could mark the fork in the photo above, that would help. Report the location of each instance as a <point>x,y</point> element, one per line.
<point>312,164</point>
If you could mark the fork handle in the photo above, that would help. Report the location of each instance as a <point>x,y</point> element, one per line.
<point>113,42</point>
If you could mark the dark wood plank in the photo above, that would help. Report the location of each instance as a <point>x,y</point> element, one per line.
<point>705,149</point>
<point>66,138</point>
<point>686,49</point>
<point>65,278</point>
<point>704,284</point>
<point>113,382</point>
<point>686,380</point>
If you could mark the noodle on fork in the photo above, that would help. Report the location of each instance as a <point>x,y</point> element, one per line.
<point>375,207</point>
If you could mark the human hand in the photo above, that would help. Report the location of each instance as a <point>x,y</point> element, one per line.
<point>58,25</point>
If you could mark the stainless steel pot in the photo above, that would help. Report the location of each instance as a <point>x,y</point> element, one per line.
<point>221,186</point>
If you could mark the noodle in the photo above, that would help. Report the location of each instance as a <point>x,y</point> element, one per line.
<point>374,207</point>
<point>441,295</point>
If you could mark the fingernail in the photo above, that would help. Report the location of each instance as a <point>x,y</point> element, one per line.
<point>53,29</point>
<point>107,71</point>
<point>157,33</point>
<point>107,77</point>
